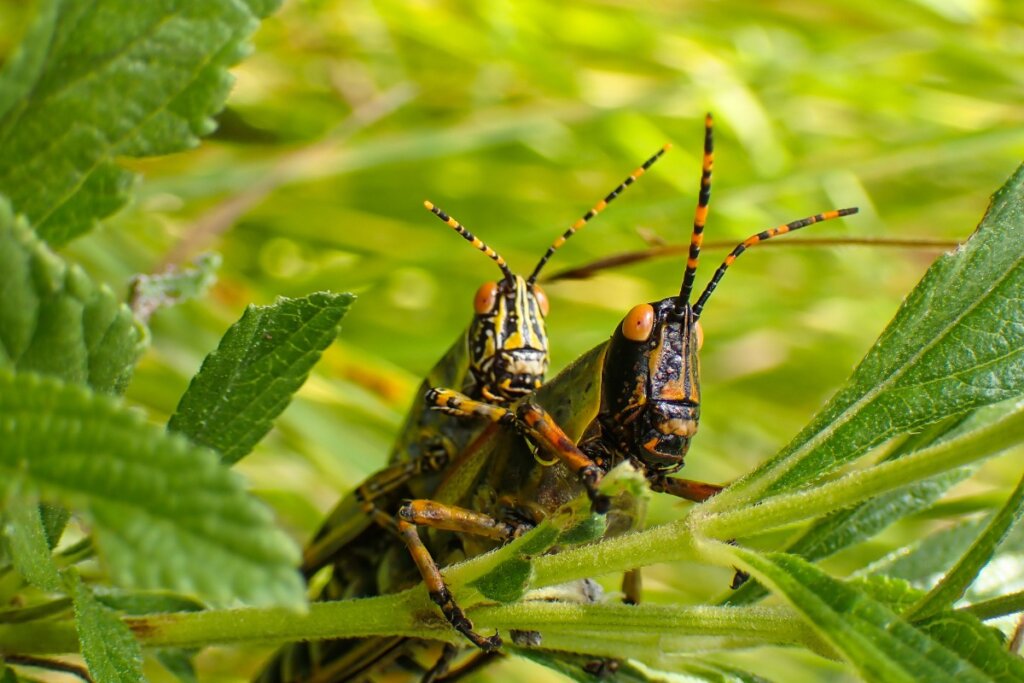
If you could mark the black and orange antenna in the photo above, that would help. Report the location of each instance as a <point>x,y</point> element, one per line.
<point>596,209</point>
<point>757,239</point>
<point>700,214</point>
<point>474,240</point>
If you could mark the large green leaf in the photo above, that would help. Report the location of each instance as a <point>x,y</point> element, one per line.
<point>55,321</point>
<point>101,79</point>
<point>165,513</point>
<point>866,632</point>
<point>261,362</point>
<point>956,343</point>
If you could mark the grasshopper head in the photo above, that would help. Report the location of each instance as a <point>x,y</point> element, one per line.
<point>651,383</point>
<point>508,340</point>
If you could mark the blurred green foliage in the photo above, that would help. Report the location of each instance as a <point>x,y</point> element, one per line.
<point>515,117</point>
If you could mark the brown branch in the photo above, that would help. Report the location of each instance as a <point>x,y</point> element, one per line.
<point>628,257</point>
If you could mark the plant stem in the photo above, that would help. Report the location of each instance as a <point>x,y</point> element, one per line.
<point>997,607</point>
<point>406,613</point>
<point>786,509</point>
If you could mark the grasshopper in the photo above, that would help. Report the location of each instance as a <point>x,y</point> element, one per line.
<point>502,357</point>
<point>648,403</point>
<point>650,378</point>
<point>635,398</point>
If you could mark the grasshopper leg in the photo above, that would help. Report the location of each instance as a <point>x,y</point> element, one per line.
<point>535,424</point>
<point>539,426</point>
<point>453,518</point>
<point>689,489</point>
<point>439,592</point>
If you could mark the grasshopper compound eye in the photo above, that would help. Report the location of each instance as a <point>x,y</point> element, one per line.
<point>542,300</point>
<point>485,298</point>
<point>639,323</point>
<point>699,331</point>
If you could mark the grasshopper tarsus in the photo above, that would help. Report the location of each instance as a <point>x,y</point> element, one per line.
<point>461,623</point>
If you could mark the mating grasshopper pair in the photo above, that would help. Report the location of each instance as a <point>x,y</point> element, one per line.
<point>649,410</point>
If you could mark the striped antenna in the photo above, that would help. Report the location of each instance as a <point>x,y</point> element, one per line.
<point>761,237</point>
<point>598,208</point>
<point>474,240</point>
<point>700,214</point>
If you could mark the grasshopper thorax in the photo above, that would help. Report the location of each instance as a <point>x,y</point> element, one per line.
<point>508,340</point>
<point>652,384</point>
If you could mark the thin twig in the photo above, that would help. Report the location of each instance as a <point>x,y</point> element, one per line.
<point>628,257</point>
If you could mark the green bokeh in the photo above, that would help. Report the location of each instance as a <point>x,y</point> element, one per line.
<point>516,117</point>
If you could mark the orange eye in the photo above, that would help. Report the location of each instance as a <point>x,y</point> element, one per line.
<point>638,323</point>
<point>483,302</point>
<point>542,300</point>
<point>700,335</point>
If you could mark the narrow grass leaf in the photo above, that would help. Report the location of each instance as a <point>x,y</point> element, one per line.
<point>955,583</point>
<point>260,363</point>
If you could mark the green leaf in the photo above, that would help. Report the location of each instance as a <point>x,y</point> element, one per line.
<point>961,632</point>
<point>866,632</point>
<point>110,650</point>
<point>955,583</point>
<point>846,527</point>
<point>150,293</point>
<point>98,80</point>
<point>55,321</point>
<point>165,513</point>
<point>982,646</point>
<point>179,664</point>
<point>27,542</point>
<point>507,582</point>
<point>508,570</point>
<point>262,360</point>
<point>955,344</point>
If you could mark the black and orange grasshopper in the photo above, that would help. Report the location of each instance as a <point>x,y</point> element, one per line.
<point>502,357</point>
<point>647,408</point>
<point>635,398</point>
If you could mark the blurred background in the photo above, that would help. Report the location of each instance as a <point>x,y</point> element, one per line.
<point>515,117</point>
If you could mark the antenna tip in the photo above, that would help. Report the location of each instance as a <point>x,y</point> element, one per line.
<point>708,118</point>
<point>428,204</point>
<point>666,147</point>
<point>849,212</point>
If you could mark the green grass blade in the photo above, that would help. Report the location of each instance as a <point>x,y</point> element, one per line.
<point>955,583</point>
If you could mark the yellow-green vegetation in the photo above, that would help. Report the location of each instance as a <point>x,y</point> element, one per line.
<point>514,117</point>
